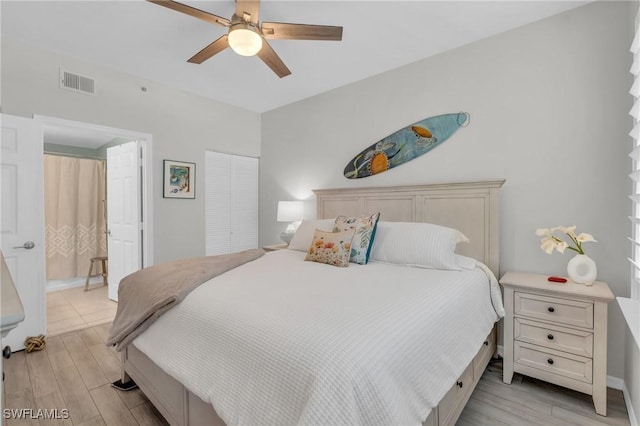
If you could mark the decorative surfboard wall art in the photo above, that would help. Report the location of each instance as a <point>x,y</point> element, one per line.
<point>404,145</point>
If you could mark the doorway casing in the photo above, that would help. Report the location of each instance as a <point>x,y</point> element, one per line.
<point>146,143</point>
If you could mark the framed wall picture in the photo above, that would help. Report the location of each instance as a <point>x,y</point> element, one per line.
<point>179,179</point>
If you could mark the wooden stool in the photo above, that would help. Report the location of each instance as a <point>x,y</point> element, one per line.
<point>103,261</point>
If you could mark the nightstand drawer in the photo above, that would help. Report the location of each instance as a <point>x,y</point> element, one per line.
<point>561,311</point>
<point>563,339</point>
<point>561,364</point>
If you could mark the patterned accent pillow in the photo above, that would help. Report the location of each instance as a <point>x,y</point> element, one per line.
<point>332,248</point>
<point>365,232</point>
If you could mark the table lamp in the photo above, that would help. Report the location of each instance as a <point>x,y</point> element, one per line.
<point>292,212</point>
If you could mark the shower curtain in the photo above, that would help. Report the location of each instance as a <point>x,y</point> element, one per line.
<point>75,224</point>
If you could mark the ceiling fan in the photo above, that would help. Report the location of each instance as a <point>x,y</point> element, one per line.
<point>248,37</point>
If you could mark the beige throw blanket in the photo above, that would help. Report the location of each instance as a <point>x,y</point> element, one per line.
<point>147,294</point>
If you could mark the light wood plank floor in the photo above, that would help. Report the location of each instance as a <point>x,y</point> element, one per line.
<point>530,402</point>
<point>75,370</point>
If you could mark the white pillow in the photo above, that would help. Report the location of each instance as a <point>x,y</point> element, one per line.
<point>301,241</point>
<point>466,262</point>
<point>423,245</point>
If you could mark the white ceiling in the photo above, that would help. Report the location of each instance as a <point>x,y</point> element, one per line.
<point>153,42</point>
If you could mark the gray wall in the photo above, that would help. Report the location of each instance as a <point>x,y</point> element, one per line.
<point>183,126</point>
<point>549,113</point>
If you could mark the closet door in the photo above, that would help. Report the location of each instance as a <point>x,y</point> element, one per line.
<point>231,203</point>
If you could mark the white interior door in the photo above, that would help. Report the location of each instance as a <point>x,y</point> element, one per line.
<point>123,213</point>
<point>22,221</point>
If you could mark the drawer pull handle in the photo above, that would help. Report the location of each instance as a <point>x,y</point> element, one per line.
<point>551,309</point>
<point>550,336</point>
<point>550,361</point>
<point>459,384</point>
<point>486,343</point>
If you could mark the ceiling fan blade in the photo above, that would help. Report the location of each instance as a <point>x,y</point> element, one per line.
<point>273,61</point>
<point>248,7</point>
<point>280,30</point>
<point>192,11</point>
<point>216,47</point>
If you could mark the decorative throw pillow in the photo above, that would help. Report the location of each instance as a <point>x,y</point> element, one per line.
<point>304,234</point>
<point>423,245</point>
<point>365,232</point>
<point>332,248</point>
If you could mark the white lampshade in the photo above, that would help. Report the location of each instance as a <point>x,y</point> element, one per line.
<point>290,211</point>
<point>244,40</point>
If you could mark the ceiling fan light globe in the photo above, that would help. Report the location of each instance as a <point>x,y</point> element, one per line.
<point>244,41</point>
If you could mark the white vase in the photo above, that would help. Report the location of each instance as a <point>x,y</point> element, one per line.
<point>582,269</point>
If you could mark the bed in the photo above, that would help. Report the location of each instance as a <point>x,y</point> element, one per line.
<point>362,376</point>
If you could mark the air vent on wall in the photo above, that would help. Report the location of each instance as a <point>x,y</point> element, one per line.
<point>77,83</point>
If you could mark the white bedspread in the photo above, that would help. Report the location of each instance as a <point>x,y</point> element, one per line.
<point>283,341</point>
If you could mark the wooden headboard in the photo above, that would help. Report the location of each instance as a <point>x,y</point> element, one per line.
<point>472,208</point>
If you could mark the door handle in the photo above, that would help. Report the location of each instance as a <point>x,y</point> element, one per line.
<point>27,246</point>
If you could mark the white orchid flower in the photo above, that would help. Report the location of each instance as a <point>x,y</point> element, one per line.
<point>565,229</point>
<point>561,246</point>
<point>548,244</point>
<point>543,232</point>
<point>584,237</point>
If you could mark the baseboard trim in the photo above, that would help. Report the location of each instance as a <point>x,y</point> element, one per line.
<point>615,383</point>
<point>57,285</point>
<point>633,420</point>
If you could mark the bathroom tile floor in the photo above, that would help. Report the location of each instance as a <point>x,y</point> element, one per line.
<point>74,309</point>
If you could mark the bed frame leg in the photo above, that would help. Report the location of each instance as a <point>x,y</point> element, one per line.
<point>125,383</point>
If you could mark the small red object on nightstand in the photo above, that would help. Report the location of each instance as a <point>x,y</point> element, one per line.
<point>557,279</point>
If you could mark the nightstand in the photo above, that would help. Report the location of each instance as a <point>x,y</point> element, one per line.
<point>557,332</point>
<point>274,247</point>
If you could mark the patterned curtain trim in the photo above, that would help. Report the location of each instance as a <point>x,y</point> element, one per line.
<point>67,241</point>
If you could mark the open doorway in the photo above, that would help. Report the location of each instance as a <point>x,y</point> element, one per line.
<point>80,152</point>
